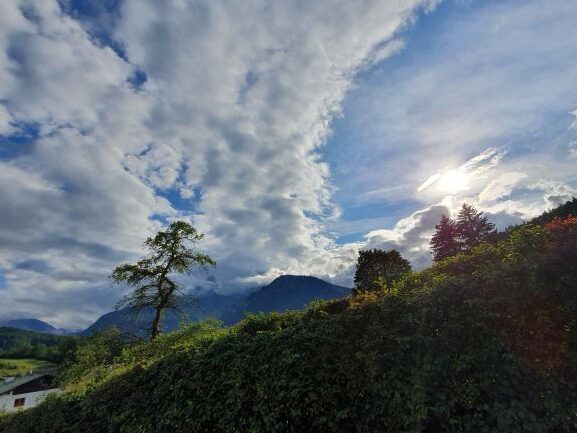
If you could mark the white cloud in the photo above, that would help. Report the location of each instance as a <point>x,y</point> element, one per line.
<point>554,192</point>
<point>411,235</point>
<point>5,118</point>
<point>573,149</point>
<point>238,101</point>
<point>475,168</point>
<point>502,186</point>
<point>496,75</point>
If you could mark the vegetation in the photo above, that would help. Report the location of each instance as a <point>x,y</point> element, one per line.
<point>445,241</point>
<point>483,341</point>
<point>563,211</point>
<point>469,230</point>
<point>170,252</point>
<point>377,269</point>
<point>472,227</point>
<point>17,343</point>
<point>19,367</point>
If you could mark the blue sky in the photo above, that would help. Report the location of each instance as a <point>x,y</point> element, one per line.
<point>443,44</point>
<point>291,136</point>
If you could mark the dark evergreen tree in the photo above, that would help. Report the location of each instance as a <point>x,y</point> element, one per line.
<point>376,266</point>
<point>445,242</point>
<point>472,227</point>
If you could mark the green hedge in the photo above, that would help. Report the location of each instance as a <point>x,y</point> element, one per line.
<point>485,342</point>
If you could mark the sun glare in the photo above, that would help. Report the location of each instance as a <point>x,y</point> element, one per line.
<point>454,181</point>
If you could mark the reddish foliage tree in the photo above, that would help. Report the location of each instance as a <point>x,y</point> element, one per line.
<point>561,237</point>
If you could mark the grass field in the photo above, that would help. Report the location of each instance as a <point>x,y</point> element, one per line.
<point>14,367</point>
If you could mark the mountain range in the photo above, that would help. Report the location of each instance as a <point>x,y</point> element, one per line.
<point>284,293</point>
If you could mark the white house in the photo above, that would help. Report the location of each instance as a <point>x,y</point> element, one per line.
<point>25,392</point>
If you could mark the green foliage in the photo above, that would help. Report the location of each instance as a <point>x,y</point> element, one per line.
<point>569,208</point>
<point>100,350</point>
<point>170,252</point>
<point>376,268</point>
<point>21,344</point>
<point>480,342</point>
<point>18,367</point>
<point>108,353</point>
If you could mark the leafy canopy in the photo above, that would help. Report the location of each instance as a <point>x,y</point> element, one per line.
<point>479,342</point>
<point>376,268</point>
<point>169,252</point>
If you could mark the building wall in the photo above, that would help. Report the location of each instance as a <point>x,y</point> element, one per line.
<point>31,399</point>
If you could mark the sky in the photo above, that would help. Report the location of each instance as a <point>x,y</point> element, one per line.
<point>291,133</point>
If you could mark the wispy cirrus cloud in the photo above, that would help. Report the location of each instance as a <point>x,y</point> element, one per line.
<point>472,169</point>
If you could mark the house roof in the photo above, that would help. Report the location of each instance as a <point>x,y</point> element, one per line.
<point>7,387</point>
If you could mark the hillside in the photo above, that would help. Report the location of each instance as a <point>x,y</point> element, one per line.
<point>480,342</point>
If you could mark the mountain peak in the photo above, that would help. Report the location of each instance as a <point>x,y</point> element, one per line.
<point>29,325</point>
<point>291,281</point>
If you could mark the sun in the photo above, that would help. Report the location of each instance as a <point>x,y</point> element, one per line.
<point>454,181</point>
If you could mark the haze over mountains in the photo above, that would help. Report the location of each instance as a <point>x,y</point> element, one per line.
<point>284,293</point>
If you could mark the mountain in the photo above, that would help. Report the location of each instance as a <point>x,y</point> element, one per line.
<point>287,292</point>
<point>208,305</point>
<point>30,325</point>
<point>284,293</point>
<point>479,342</point>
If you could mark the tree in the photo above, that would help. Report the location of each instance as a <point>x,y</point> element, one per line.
<point>445,242</point>
<point>569,208</point>
<point>99,350</point>
<point>472,227</point>
<point>170,252</point>
<point>561,237</point>
<point>377,266</point>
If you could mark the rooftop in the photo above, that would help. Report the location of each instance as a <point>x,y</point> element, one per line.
<point>9,386</point>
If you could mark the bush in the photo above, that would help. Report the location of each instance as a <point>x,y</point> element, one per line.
<point>483,342</point>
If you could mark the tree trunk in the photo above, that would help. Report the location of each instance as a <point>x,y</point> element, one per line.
<point>155,329</point>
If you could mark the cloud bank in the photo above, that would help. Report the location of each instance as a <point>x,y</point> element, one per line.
<point>273,127</point>
<point>211,111</point>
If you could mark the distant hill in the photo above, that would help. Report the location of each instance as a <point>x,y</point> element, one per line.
<point>30,325</point>
<point>209,305</point>
<point>284,293</point>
